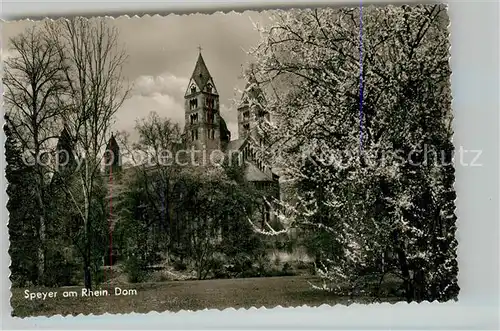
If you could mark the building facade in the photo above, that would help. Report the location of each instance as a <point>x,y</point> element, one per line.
<point>206,130</point>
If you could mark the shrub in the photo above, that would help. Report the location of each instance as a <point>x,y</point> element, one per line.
<point>242,263</point>
<point>301,265</point>
<point>135,270</point>
<point>277,260</point>
<point>287,268</point>
<point>263,264</point>
<point>98,276</point>
<point>179,265</point>
<point>59,271</point>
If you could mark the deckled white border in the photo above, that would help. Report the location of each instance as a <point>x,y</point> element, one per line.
<point>475,85</point>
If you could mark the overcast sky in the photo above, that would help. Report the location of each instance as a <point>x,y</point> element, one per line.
<point>162,55</point>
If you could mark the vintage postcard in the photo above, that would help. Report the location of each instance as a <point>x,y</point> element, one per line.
<point>284,157</point>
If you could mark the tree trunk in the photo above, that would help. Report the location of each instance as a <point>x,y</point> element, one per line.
<point>419,285</point>
<point>87,275</point>
<point>88,245</point>
<point>198,269</point>
<point>167,207</point>
<point>408,284</point>
<point>41,234</point>
<point>41,251</point>
<point>403,265</point>
<point>86,261</point>
<point>87,278</point>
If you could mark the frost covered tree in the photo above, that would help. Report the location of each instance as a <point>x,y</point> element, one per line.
<point>361,110</point>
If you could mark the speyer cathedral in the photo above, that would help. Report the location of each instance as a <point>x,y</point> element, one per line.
<point>206,130</point>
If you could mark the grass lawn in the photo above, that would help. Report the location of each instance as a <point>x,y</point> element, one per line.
<point>179,295</point>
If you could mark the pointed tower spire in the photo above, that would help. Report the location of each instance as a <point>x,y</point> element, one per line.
<point>65,152</point>
<point>203,122</point>
<point>252,87</point>
<point>112,157</point>
<point>251,110</point>
<point>201,75</point>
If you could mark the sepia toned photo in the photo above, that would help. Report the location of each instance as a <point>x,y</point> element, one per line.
<point>288,157</point>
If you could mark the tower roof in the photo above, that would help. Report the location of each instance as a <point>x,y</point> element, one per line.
<point>112,144</point>
<point>200,74</point>
<point>64,142</point>
<point>252,92</point>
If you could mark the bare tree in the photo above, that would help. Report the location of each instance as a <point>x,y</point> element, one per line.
<point>33,83</point>
<point>93,71</point>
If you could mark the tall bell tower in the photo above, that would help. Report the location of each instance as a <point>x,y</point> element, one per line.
<point>250,110</point>
<point>202,117</point>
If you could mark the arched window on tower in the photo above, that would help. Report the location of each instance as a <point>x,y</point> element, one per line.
<point>194,135</point>
<point>193,89</point>
<point>210,102</point>
<point>210,116</point>
<point>194,118</point>
<point>209,88</point>
<point>262,114</point>
<point>193,104</point>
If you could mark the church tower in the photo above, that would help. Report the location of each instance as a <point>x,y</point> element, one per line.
<point>112,157</point>
<point>66,158</point>
<point>250,110</point>
<point>204,127</point>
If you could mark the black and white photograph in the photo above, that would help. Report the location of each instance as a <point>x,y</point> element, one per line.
<point>286,157</point>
